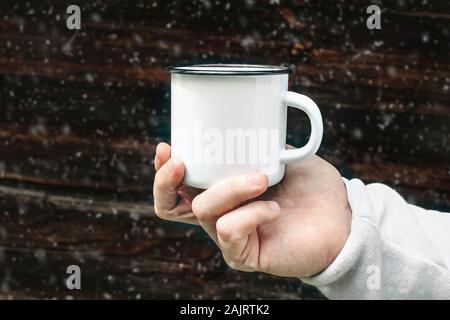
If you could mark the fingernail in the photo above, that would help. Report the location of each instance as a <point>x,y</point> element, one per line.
<point>273,205</point>
<point>256,179</point>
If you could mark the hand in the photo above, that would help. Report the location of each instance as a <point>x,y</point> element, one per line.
<point>295,228</point>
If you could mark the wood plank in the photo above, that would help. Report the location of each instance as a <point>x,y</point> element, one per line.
<point>121,248</point>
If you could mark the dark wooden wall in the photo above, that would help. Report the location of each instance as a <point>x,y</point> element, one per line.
<point>81,113</point>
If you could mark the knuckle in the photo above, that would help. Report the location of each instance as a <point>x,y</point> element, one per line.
<point>239,264</point>
<point>198,208</point>
<point>233,263</point>
<point>160,213</point>
<point>224,231</point>
<point>251,264</point>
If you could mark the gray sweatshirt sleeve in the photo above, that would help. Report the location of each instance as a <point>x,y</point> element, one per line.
<point>395,250</point>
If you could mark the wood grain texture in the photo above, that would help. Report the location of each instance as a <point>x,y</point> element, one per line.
<point>81,113</point>
<point>124,251</point>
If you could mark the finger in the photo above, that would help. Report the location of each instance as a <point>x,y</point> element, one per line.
<point>289,146</point>
<point>237,236</point>
<point>224,197</point>
<point>228,194</point>
<point>162,155</point>
<point>238,224</point>
<point>165,189</point>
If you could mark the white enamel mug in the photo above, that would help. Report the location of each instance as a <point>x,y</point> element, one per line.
<point>229,120</point>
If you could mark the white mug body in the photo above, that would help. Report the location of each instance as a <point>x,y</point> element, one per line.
<point>227,125</point>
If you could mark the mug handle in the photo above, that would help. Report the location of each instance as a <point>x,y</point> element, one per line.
<point>308,106</point>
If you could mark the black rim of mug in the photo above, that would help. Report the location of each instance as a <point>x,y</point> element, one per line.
<point>229,69</point>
